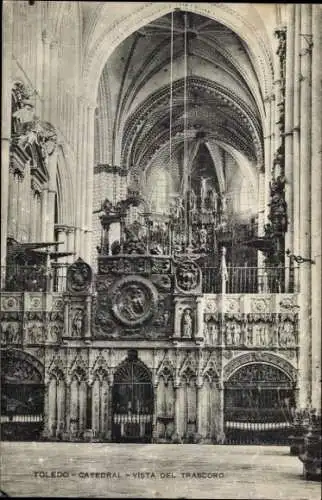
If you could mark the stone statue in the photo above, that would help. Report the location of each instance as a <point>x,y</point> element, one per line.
<point>77,324</point>
<point>187,323</point>
<point>203,237</point>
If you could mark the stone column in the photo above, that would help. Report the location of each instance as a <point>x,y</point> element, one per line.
<point>46,429</point>
<point>220,434</point>
<point>179,409</point>
<point>66,317</point>
<point>83,174</point>
<point>304,376</point>
<point>177,318</point>
<point>268,154</point>
<point>78,175</point>
<point>70,244</point>
<point>289,107</point>
<point>90,180</point>
<point>105,408</point>
<point>96,407</point>
<point>88,322</point>
<point>74,408</point>
<point>61,406</point>
<point>7,30</point>
<point>316,204</point>
<point>155,413</point>
<point>52,407</point>
<point>82,407</point>
<point>46,75</point>
<point>12,212</point>
<point>199,406</point>
<point>110,408</point>
<point>67,409</point>
<point>53,81</point>
<point>296,131</point>
<point>43,208</point>
<point>199,319</point>
<point>52,168</point>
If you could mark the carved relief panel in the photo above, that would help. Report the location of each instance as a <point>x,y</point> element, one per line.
<point>133,306</point>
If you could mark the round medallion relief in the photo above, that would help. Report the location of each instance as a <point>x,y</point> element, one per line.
<point>133,300</point>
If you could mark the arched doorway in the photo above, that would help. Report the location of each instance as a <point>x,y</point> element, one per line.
<point>22,397</point>
<point>259,400</point>
<point>132,402</point>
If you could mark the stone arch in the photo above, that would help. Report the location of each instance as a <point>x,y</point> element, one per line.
<point>260,357</point>
<point>56,373</point>
<point>23,356</point>
<point>102,39</point>
<point>78,374</point>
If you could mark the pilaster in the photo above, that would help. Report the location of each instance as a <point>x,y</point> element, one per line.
<point>305,211</point>
<point>316,204</point>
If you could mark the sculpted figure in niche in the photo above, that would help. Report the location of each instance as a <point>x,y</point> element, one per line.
<point>77,324</point>
<point>229,339</point>
<point>249,335</point>
<point>187,323</point>
<point>213,333</point>
<point>237,334</point>
<point>203,237</point>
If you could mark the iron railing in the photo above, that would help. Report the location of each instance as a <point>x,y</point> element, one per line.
<point>234,280</point>
<point>249,280</point>
<point>35,278</point>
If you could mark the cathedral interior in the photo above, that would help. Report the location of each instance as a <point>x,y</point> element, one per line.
<point>160,222</point>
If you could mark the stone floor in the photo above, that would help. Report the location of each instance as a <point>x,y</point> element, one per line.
<point>140,471</point>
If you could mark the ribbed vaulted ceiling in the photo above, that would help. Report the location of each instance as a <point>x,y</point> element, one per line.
<point>224,103</point>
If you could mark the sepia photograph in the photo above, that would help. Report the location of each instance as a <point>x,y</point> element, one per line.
<point>160,320</point>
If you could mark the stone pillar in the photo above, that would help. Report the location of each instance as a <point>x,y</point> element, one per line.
<point>199,319</point>
<point>88,301</point>
<point>110,408</point>
<point>289,107</point>
<point>177,318</point>
<point>53,82</point>
<point>84,167</point>
<point>43,208</point>
<point>105,408</point>
<point>7,30</point>
<point>78,175</point>
<point>89,181</point>
<point>82,407</point>
<point>46,75</point>
<point>96,407</point>
<point>74,408</point>
<point>268,140</point>
<point>305,212</point>
<point>52,168</point>
<point>61,395</point>
<point>52,407</point>
<point>199,407</point>
<point>179,409</point>
<point>156,404</point>
<point>66,317</point>
<point>67,409</point>
<point>220,431</point>
<point>70,244</point>
<point>316,204</point>
<point>46,429</point>
<point>12,212</point>
<point>296,131</point>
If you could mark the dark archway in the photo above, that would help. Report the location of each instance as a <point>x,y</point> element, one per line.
<point>259,401</point>
<point>132,402</point>
<point>22,396</point>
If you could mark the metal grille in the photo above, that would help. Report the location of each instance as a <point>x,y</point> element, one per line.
<point>132,403</point>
